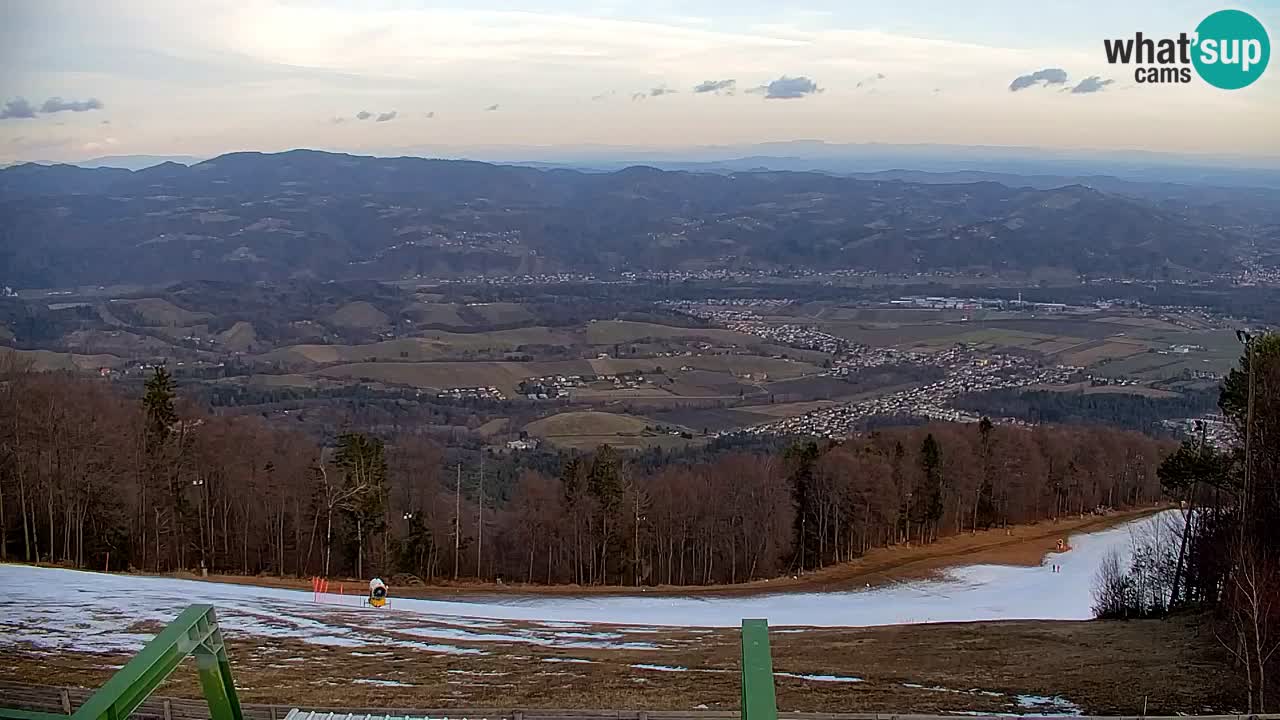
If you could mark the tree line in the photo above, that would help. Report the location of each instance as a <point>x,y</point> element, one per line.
<point>1227,558</point>
<point>93,477</point>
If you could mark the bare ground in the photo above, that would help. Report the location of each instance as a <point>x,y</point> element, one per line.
<point>1173,665</point>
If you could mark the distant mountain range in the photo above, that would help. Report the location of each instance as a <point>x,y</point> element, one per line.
<point>136,162</point>
<point>249,216</point>
<point>125,162</point>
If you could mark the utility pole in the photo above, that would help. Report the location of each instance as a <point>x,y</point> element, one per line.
<point>480,517</point>
<point>457,520</point>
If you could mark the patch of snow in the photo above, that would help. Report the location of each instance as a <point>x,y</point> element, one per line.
<point>387,683</point>
<point>821,678</point>
<point>1053,702</point>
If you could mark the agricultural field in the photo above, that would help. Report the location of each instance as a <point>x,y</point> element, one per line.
<point>587,429</point>
<point>280,346</point>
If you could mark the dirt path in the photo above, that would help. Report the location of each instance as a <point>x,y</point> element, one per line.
<point>1024,545</point>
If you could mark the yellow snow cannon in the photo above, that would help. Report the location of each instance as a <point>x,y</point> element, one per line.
<point>377,593</point>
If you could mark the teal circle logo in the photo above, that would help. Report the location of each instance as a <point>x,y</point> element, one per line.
<point>1232,49</point>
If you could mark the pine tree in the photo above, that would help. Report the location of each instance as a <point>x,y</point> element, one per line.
<point>362,461</point>
<point>604,484</point>
<point>931,466</point>
<point>158,404</point>
<point>803,456</point>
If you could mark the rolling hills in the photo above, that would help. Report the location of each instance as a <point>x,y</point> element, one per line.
<point>253,216</point>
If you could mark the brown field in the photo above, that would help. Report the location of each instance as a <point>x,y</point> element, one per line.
<point>1002,338</point>
<point>359,314</point>
<point>158,311</point>
<point>504,375</point>
<point>500,313</point>
<point>1108,350</point>
<point>493,427</point>
<point>587,423</point>
<point>610,332</point>
<point>41,360</point>
<point>240,337</point>
<point>780,410</point>
<point>445,314</point>
<point>432,345</point>
<point>775,368</point>
<point>1143,322</point>
<point>1056,345</point>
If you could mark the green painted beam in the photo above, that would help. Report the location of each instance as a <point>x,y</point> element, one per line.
<point>758,699</point>
<point>194,632</point>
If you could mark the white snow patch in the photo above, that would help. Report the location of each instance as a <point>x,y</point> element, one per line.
<point>821,678</point>
<point>1053,702</point>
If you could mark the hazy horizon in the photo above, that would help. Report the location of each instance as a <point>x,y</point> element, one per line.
<point>81,81</point>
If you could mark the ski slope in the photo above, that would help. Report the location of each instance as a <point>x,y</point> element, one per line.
<point>65,609</point>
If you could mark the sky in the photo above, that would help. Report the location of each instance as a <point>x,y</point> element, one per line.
<point>86,79</point>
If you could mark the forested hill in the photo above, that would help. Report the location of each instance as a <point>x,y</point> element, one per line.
<point>157,485</point>
<point>252,216</point>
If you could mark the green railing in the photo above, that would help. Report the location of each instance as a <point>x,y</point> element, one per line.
<point>194,632</point>
<point>758,699</point>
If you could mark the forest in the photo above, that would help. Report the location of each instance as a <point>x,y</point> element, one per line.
<point>1133,411</point>
<point>95,476</point>
<point>1221,559</point>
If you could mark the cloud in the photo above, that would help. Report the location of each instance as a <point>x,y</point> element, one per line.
<point>652,92</point>
<point>1091,84</point>
<point>867,81</point>
<point>788,88</point>
<point>492,107</point>
<point>1048,76</point>
<point>57,104</point>
<point>17,108</point>
<point>337,120</point>
<point>106,122</point>
<point>716,86</point>
<point>386,116</point>
<point>604,95</point>
<point>364,115</point>
<point>431,114</point>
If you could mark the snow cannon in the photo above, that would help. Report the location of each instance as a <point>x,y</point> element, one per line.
<point>377,593</point>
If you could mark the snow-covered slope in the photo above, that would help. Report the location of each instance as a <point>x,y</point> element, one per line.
<point>90,611</point>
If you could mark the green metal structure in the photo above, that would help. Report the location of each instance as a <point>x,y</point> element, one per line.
<point>194,632</point>
<point>758,699</point>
